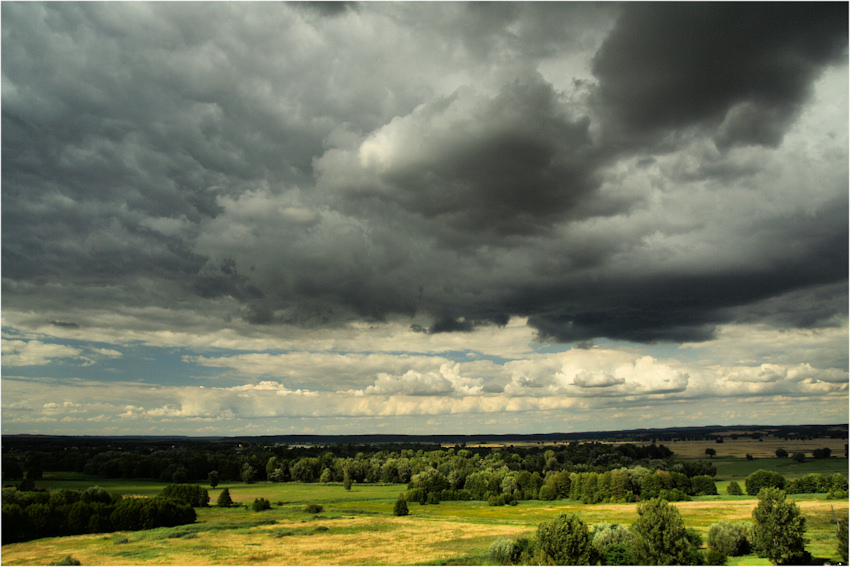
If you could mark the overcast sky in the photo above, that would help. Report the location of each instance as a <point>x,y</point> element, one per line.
<point>422,217</point>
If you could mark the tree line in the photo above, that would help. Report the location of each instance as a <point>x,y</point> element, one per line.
<point>47,513</point>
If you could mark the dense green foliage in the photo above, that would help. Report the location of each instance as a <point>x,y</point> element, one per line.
<point>734,489</point>
<point>730,539</point>
<point>660,537</point>
<point>400,508</point>
<point>565,541</point>
<point>779,528</point>
<point>260,504</point>
<point>32,515</point>
<point>314,508</point>
<point>224,499</point>
<point>763,479</point>
<point>194,495</point>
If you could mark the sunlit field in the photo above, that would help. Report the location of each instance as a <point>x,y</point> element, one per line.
<point>357,527</point>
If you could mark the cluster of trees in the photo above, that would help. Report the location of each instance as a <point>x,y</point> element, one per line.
<point>659,537</point>
<point>230,461</point>
<point>37,514</point>
<point>501,485</point>
<point>835,485</point>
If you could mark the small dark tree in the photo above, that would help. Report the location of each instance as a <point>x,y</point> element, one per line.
<point>749,457</point>
<point>213,479</point>
<point>779,528</point>
<point>224,500</point>
<point>823,453</point>
<point>400,508</point>
<point>346,480</point>
<point>781,453</point>
<point>260,504</point>
<point>711,452</point>
<point>799,457</point>
<point>734,489</point>
<point>565,541</point>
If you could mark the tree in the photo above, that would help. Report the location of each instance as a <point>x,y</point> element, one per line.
<point>565,541</point>
<point>249,473</point>
<point>400,508</point>
<point>823,453</point>
<point>763,479</point>
<point>779,529</point>
<point>346,480</point>
<point>703,484</point>
<point>799,457</point>
<point>260,504</point>
<point>710,452</point>
<point>213,479</point>
<point>224,500</point>
<point>781,453</point>
<point>661,537</point>
<point>734,489</point>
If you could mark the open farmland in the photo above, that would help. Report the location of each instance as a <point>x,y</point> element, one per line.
<point>357,528</point>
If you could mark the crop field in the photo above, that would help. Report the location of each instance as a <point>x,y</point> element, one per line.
<point>357,527</point>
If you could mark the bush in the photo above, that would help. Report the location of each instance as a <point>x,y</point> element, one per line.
<point>224,500</point>
<point>565,541</point>
<point>730,539</point>
<point>260,504</point>
<point>703,485</point>
<point>194,495</point>
<point>314,508</point>
<point>714,557</point>
<point>67,560</point>
<point>618,554</point>
<point>613,544</point>
<point>502,551</point>
<point>763,479</point>
<point>400,508</point>
<point>734,489</point>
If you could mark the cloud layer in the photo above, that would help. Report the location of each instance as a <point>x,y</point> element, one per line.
<point>287,180</point>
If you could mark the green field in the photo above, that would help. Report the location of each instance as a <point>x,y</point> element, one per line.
<point>357,527</point>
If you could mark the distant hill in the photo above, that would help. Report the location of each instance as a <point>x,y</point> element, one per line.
<point>649,435</point>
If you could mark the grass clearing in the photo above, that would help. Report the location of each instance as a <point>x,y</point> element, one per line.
<point>358,528</point>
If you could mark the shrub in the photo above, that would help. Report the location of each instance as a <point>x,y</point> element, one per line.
<point>734,489</point>
<point>779,528</point>
<point>400,508</point>
<point>224,500</point>
<point>763,479</point>
<point>502,551</point>
<point>314,508</point>
<point>799,457</point>
<point>714,557</point>
<point>606,535</point>
<point>618,554</point>
<point>67,560</point>
<point>260,504</point>
<point>730,539</point>
<point>565,541</point>
<point>194,495</point>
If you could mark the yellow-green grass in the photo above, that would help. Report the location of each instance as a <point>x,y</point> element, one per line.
<point>358,528</point>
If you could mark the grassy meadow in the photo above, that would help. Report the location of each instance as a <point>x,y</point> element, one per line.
<point>357,527</point>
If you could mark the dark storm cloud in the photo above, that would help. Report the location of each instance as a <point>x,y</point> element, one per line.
<point>319,166</point>
<point>744,67</point>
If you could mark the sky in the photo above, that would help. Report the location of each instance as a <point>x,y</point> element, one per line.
<point>422,218</point>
